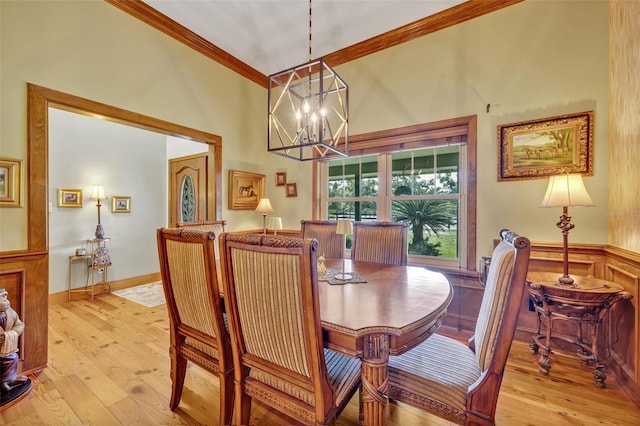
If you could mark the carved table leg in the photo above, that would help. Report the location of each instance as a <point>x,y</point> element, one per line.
<point>599,376</point>
<point>374,380</point>
<point>534,347</point>
<point>544,364</point>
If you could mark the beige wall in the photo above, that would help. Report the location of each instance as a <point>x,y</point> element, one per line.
<point>93,50</point>
<point>531,60</point>
<point>624,124</point>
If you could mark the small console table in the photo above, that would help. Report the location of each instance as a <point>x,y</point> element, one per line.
<point>98,259</point>
<point>586,303</point>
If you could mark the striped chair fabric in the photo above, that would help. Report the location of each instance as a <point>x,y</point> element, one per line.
<point>461,382</point>
<point>198,327</point>
<point>380,242</point>
<point>215,226</point>
<point>330,244</point>
<point>271,296</point>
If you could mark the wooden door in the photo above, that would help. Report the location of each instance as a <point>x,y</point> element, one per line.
<point>188,189</point>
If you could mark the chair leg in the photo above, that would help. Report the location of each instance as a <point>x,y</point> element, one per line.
<point>242,411</point>
<point>226,398</point>
<point>178,373</point>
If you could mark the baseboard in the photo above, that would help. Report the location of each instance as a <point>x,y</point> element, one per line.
<point>63,296</point>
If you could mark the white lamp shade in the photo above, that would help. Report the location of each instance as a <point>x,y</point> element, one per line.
<point>98,193</point>
<point>275,223</point>
<point>264,206</point>
<point>566,190</point>
<point>344,226</point>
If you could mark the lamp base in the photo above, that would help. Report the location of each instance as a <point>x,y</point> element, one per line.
<point>99,231</point>
<point>566,281</point>
<point>264,224</point>
<point>343,277</point>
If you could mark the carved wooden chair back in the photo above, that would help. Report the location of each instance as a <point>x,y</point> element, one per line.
<point>271,297</point>
<point>215,226</point>
<point>196,322</point>
<point>380,242</point>
<point>462,382</point>
<point>330,244</point>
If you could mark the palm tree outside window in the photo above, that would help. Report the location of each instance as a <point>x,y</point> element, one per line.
<point>420,187</point>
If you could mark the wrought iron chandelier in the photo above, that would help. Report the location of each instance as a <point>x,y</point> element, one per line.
<point>308,111</point>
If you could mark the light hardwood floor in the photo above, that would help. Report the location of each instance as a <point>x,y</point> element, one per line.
<point>109,365</point>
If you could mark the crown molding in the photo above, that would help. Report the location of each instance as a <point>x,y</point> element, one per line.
<point>447,18</point>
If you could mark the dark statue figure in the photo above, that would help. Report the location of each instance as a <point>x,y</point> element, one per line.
<point>12,385</point>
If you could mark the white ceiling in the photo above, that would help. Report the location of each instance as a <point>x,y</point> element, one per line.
<point>273,35</point>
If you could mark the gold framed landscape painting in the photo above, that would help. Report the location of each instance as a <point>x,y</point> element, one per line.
<point>245,190</point>
<point>541,148</point>
<point>10,175</point>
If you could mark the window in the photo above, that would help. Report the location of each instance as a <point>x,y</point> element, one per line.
<point>428,183</point>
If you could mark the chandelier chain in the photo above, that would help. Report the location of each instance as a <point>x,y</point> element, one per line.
<point>309,30</point>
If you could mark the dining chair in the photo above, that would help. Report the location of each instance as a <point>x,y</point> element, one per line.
<point>330,244</point>
<point>196,322</point>
<point>215,226</point>
<point>271,297</point>
<point>380,242</point>
<point>462,382</point>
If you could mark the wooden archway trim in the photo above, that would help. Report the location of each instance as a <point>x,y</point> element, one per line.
<point>39,100</point>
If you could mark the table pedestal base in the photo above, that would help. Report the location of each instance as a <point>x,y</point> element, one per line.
<point>374,380</point>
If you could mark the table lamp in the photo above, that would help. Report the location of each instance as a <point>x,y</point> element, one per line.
<point>98,194</point>
<point>264,207</point>
<point>275,223</point>
<point>344,227</point>
<point>566,190</point>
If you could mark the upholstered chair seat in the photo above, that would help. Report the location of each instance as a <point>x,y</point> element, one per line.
<point>424,371</point>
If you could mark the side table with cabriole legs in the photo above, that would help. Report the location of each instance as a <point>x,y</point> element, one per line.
<point>586,303</point>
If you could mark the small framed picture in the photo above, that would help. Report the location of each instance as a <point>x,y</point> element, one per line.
<point>281,178</point>
<point>10,175</point>
<point>292,190</point>
<point>69,197</point>
<point>120,204</point>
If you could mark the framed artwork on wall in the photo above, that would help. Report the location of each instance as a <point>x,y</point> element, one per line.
<point>546,147</point>
<point>120,204</point>
<point>10,180</point>
<point>292,190</point>
<point>69,197</point>
<point>281,178</point>
<point>245,190</point>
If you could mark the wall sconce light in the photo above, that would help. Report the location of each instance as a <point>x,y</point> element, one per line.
<point>264,207</point>
<point>98,194</point>
<point>566,190</point>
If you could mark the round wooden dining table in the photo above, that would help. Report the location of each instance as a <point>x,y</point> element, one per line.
<point>382,311</point>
